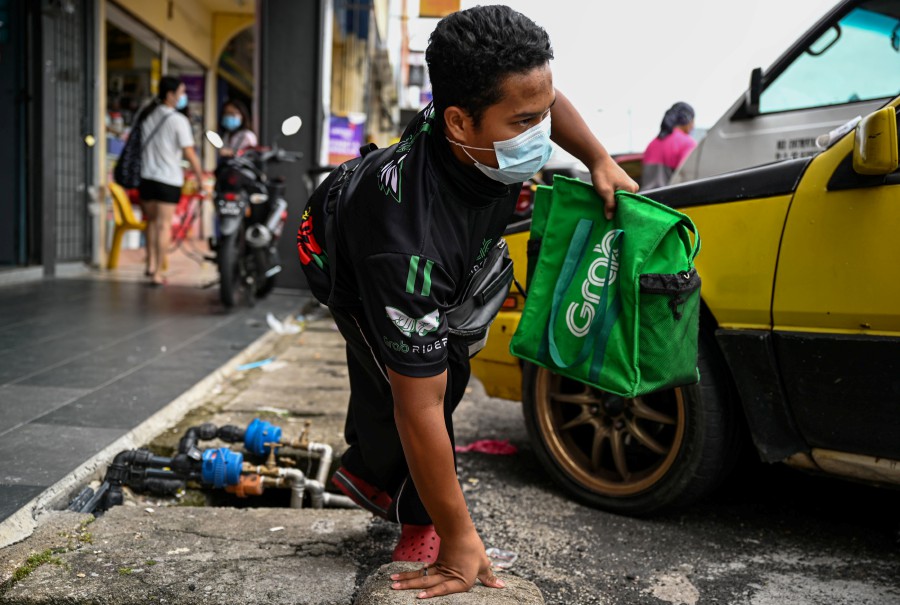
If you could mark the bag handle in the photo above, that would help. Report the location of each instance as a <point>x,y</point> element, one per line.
<point>681,218</point>
<point>695,248</point>
<point>573,257</point>
<point>155,130</point>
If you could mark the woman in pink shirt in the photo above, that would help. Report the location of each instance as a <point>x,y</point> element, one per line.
<point>671,146</point>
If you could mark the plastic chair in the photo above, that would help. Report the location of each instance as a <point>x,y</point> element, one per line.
<point>125,221</point>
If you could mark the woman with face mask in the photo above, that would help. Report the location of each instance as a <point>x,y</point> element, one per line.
<point>167,137</point>
<point>236,128</point>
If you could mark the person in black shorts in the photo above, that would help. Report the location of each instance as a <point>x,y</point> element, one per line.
<point>419,219</point>
<point>166,136</point>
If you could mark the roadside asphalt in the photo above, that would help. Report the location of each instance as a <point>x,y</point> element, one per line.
<point>227,550</point>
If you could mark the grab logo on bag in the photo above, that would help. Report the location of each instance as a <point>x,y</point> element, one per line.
<point>595,277</point>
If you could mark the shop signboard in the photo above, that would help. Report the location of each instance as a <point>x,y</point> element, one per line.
<point>345,137</point>
<point>194,87</point>
<point>437,8</point>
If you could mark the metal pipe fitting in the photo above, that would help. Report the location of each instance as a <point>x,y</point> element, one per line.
<point>326,453</point>
<point>297,481</point>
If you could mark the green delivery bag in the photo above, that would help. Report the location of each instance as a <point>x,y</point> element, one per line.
<point>614,304</point>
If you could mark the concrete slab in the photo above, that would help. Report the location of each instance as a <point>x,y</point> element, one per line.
<point>377,591</point>
<point>55,531</point>
<point>309,377</point>
<point>293,400</point>
<point>191,555</point>
<point>320,354</point>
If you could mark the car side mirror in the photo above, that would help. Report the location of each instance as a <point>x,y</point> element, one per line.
<point>875,149</point>
<point>751,100</point>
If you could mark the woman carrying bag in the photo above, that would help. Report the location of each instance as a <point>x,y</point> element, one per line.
<point>167,139</point>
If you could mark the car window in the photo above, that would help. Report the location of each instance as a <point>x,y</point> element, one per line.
<point>857,60</point>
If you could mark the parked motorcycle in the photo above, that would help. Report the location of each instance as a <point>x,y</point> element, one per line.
<point>250,214</point>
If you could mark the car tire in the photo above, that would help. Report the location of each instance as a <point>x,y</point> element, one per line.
<point>635,456</point>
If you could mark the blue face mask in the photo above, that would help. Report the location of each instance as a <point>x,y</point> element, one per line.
<point>182,101</point>
<point>231,122</point>
<point>519,158</point>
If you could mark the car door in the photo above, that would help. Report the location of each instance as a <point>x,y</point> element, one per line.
<point>836,306</point>
<point>846,66</point>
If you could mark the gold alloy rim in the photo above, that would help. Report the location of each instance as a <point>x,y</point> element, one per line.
<point>607,444</point>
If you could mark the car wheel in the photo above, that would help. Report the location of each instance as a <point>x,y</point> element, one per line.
<point>633,456</point>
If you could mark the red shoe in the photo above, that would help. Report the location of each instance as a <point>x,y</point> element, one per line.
<point>418,543</point>
<point>367,496</point>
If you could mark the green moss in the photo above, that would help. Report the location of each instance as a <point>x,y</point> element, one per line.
<point>81,534</point>
<point>125,571</point>
<point>35,561</point>
<point>149,562</point>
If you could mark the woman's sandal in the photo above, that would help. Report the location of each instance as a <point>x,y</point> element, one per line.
<point>418,543</point>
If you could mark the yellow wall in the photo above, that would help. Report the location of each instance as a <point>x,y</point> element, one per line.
<point>190,28</point>
<point>225,27</point>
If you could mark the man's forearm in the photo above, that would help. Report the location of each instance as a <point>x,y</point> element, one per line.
<point>419,414</point>
<point>572,133</point>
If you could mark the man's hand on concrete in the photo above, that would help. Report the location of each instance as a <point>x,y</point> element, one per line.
<point>461,561</point>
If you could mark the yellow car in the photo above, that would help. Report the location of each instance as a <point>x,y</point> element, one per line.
<point>799,338</point>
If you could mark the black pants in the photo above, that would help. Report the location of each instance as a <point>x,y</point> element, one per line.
<point>375,453</point>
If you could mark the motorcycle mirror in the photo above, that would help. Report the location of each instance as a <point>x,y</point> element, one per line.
<point>214,138</point>
<point>291,126</point>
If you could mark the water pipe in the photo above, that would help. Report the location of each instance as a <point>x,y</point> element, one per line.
<point>319,498</point>
<point>299,484</point>
<point>206,431</point>
<point>325,455</point>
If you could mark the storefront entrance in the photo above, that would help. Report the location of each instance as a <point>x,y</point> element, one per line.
<point>136,58</point>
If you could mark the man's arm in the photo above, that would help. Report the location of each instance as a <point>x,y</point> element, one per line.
<point>572,134</point>
<point>419,414</point>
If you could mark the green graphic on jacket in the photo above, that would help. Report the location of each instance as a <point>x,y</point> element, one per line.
<point>485,248</point>
<point>413,276</point>
<point>390,175</point>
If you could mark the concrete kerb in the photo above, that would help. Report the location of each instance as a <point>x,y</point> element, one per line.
<point>21,524</point>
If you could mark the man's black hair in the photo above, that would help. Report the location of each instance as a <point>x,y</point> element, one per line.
<point>470,52</point>
<point>167,84</point>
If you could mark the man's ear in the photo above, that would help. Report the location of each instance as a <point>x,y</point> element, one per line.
<point>458,123</point>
